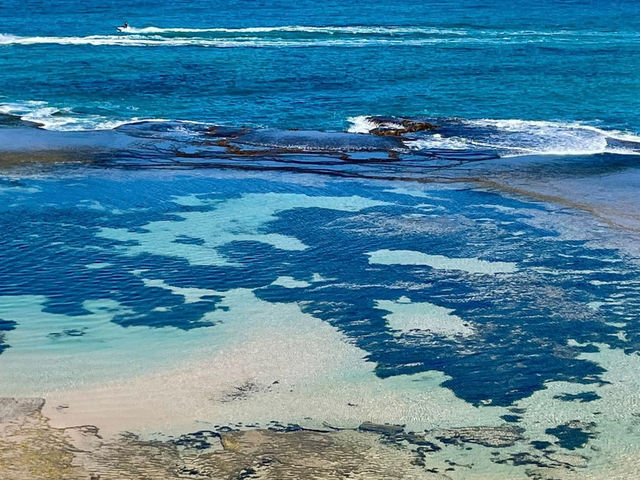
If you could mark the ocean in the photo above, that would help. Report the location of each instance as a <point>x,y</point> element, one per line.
<point>401,234</point>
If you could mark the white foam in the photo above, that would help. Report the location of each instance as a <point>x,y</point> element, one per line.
<point>330,30</point>
<point>411,257</point>
<point>524,137</point>
<point>361,124</point>
<point>61,119</point>
<point>436,141</point>
<point>326,35</point>
<point>220,42</point>
<point>514,137</point>
<point>554,138</point>
<point>540,35</point>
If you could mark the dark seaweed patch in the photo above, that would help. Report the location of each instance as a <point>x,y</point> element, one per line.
<point>73,332</point>
<point>511,418</point>
<point>5,326</point>
<point>540,445</point>
<point>522,320</point>
<point>200,440</point>
<point>572,435</point>
<point>185,239</point>
<point>578,397</point>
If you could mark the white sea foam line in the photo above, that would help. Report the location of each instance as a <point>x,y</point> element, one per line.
<point>142,41</point>
<point>40,112</point>
<point>241,41</point>
<point>516,125</point>
<point>120,41</point>
<point>378,29</point>
<point>355,30</point>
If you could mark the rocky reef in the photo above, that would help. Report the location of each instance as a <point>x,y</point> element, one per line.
<point>398,126</point>
<point>31,449</point>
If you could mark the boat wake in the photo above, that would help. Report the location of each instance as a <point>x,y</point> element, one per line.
<point>289,36</point>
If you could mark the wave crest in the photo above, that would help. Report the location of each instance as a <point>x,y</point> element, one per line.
<point>511,137</point>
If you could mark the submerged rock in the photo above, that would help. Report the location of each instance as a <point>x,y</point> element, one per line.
<point>31,449</point>
<point>386,429</point>
<point>577,461</point>
<point>307,140</point>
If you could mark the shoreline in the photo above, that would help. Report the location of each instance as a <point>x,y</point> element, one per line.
<point>31,448</point>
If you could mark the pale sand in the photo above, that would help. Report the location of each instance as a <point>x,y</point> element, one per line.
<point>276,364</point>
<point>441,262</point>
<point>420,318</point>
<point>222,225</point>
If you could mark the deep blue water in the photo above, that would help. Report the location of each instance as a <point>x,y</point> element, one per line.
<point>548,60</point>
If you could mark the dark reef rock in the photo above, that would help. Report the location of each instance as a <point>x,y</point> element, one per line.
<point>307,140</point>
<point>5,326</point>
<point>72,332</point>
<point>540,445</point>
<point>396,127</point>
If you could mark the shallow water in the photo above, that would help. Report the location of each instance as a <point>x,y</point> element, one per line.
<point>189,298</point>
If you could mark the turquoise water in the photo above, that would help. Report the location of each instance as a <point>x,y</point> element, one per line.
<point>216,227</point>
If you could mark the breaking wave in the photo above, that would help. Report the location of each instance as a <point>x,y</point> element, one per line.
<point>60,118</point>
<point>505,138</point>
<point>512,137</point>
